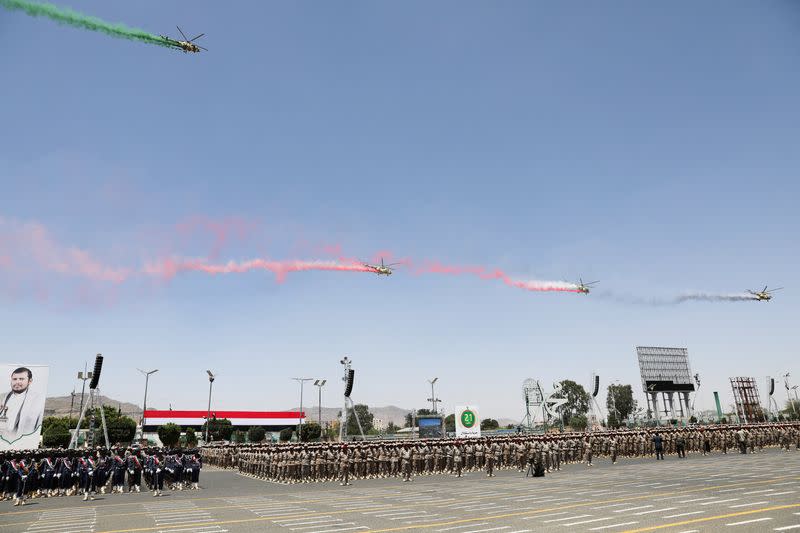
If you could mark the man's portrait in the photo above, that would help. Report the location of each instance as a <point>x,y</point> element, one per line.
<point>22,404</point>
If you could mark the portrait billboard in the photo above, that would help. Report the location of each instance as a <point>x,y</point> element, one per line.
<point>468,422</point>
<point>23,389</point>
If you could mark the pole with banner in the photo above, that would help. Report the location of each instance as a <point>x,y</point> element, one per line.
<point>468,422</point>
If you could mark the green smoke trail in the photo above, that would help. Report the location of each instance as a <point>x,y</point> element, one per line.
<point>72,18</point>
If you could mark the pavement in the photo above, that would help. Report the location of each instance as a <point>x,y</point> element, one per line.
<point>732,493</point>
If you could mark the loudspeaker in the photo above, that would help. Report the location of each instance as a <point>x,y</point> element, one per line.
<point>348,388</point>
<point>596,386</point>
<point>771,386</point>
<point>98,365</point>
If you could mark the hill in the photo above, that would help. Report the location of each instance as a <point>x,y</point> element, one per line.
<point>60,406</point>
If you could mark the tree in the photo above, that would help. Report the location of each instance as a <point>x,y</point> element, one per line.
<point>256,434</point>
<point>577,400</point>
<point>191,438</point>
<point>411,416</point>
<point>391,428</point>
<point>450,422</point>
<point>620,404</point>
<point>219,429</point>
<point>169,434</point>
<point>286,434</point>
<point>310,432</point>
<point>489,423</point>
<point>56,435</point>
<point>239,436</point>
<point>792,409</point>
<point>364,416</point>
<point>578,422</point>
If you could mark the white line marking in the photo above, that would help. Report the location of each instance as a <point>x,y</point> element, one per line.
<point>588,521</point>
<point>340,529</point>
<point>492,529</point>
<point>566,518</point>
<point>697,499</point>
<point>460,527</point>
<point>784,528</point>
<point>759,491</point>
<point>654,511</point>
<point>749,521</point>
<point>612,505</point>
<point>746,504</point>
<point>543,515</point>
<point>782,493</point>
<point>721,501</point>
<point>612,525</point>
<point>631,509</point>
<point>683,514</point>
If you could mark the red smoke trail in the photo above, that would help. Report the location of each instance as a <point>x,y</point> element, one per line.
<point>171,267</point>
<point>497,274</point>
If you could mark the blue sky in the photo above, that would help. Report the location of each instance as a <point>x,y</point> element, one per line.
<point>653,147</point>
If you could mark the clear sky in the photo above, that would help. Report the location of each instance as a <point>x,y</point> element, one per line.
<point>651,146</point>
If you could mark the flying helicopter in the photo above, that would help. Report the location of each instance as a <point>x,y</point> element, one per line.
<point>764,295</point>
<point>382,269</point>
<point>187,45</point>
<point>585,287</point>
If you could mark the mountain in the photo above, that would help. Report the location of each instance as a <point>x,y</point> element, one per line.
<point>60,406</point>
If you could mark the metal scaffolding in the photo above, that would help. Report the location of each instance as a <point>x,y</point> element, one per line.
<point>748,404</point>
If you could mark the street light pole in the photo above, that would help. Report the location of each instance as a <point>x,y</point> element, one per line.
<point>302,382</point>
<point>789,396</point>
<point>433,399</point>
<point>319,384</point>
<point>84,376</point>
<point>144,404</point>
<point>208,414</point>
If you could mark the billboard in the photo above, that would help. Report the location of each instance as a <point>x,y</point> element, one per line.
<point>468,422</point>
<point>23,389</point>
<point>664,369</point>
<point>431,427</point>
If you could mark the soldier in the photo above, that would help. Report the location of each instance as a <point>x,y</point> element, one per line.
<point>344,466</point>
<point>457,461</point>
<point>134,467</point>
<point>405,462</point>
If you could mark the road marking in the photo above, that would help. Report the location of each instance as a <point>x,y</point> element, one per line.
<point>631,509</point>
<point>654,511</point>
<point>749,521</point>
<point>720,501</point>
<point>461,527</point>
<point>717,517</point>
<point>698,499</point>
<point>782,493</point>
<point>588,521</point>
<point>747,504</point>
<point>543,515</point>
<point>784,528</point>
<point>683,514</point>
<point>612,505</point>
<point>565,518</point>
<point>759,491</point>
<point>612,525</point>
<point>491,529</point>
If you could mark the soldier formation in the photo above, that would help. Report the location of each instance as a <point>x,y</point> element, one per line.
<point>321,462</point>
<point>58,472</point>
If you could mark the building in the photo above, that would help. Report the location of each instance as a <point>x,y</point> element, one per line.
<point>269,420</point>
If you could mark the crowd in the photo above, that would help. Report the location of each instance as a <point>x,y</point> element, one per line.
<point>58,472</point>
<point>320,462</point>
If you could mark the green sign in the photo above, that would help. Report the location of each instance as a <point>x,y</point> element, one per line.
<point>467,418</point>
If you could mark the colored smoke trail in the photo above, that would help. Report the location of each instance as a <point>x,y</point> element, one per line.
<point>73,18</point>
<point>171,267</point>
<point>710,297</point>
<point>496,274</point>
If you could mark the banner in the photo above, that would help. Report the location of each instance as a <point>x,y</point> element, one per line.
<point>468,422</point>
<point>23,389</point>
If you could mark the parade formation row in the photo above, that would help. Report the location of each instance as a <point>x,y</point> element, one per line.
<point>320,462</point>
<point>57,472</point>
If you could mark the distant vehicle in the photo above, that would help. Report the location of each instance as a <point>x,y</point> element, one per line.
<point>764,295</point>
<point>187,45</point>
<point>585,287</point>
<point>382,269</point>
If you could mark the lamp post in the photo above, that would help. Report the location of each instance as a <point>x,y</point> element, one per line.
<point>302,382</point>
<point>319,384</point>
<point>433,399</point>
<point>144,404</point>
<point>208,414</point>
<point>789,396</point>
<point>84,376</point>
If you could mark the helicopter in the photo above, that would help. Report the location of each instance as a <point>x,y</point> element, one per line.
<point>764,295</point>
<point>382,269</point>
<point>585,287</point>
<point>186,45</point>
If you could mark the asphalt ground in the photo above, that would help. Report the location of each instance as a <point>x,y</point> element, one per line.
<point>733,493</point>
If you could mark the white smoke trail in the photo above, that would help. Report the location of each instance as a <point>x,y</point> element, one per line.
<point>685,297</point>
<point>710,297</point>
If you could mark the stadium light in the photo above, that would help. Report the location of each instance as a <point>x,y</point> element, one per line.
<point>208,414</point>
<point>302,382</point>
<point>433,399</point>
<point>144,404</point>
<point>319,384</point>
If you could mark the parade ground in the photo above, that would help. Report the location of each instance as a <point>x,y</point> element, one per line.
<point>733,493</point>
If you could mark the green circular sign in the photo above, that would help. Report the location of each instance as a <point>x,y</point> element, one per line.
<point>467,418</point>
